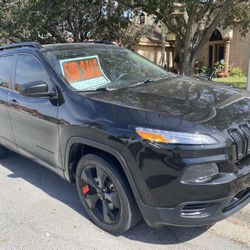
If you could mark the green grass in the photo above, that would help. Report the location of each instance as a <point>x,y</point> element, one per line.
<point>238,82</point>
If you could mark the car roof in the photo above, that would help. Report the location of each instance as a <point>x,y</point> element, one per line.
<point>57,46</point>
<point>73,46</point>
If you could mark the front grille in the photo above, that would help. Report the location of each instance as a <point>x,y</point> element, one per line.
<point>241,138</point>
<point>246,132</point>
<point>240,142</point>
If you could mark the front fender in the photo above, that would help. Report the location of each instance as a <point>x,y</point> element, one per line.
<point>105,148</point>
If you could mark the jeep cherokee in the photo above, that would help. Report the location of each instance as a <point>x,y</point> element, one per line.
<point>138,141</point>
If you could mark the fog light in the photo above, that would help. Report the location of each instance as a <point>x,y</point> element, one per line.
<point>200,173</point>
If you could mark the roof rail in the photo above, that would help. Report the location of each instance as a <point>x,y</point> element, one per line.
<point>22,45</point>
<point>100,42</point>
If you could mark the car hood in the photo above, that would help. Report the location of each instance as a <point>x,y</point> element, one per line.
<point>190,99</point>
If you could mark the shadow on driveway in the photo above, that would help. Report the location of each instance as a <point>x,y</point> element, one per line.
<point>56,187</point>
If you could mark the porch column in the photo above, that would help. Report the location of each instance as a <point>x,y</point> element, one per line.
<point>227,55</point>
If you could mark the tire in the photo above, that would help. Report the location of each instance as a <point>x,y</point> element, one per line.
<point>3,152</point>
<point>106,195</point>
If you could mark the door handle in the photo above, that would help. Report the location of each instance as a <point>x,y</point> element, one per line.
<point>14,101</point>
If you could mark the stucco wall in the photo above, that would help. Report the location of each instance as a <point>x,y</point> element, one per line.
<point>240,49</point>
<point>153,53</point>
<point>203,57</point>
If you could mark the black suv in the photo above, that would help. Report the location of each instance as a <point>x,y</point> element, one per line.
<point>138,141</point>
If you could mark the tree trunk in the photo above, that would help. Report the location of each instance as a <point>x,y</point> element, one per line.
<point>185,60</point>
<point>187,65</point>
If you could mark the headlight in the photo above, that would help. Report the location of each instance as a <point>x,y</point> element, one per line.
<point>200,173</point>
<point>174,137</point>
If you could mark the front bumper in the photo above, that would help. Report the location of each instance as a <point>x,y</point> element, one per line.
<point>203,212</point>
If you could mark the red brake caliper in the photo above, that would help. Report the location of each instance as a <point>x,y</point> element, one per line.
<point>85,189</point>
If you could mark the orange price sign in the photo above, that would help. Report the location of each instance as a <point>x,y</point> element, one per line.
<point>84,72</point>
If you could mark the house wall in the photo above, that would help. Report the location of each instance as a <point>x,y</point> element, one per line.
<point>203,56</point>
<point>153,52</point>
<point>240,49</point>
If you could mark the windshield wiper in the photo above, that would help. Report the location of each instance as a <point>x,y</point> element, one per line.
<point>146,81</point>
<point>101,89</point>
<point>152,80</point>
<point>97,90</point>
<point>105,89</point>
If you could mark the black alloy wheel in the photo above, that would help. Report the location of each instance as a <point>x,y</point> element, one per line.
<point>105,194</point>
<point>100,194</point>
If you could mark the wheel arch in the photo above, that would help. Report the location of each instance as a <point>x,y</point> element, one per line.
<point>103,148</point>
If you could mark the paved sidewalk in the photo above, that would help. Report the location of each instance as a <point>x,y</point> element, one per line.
<point>39,210</point>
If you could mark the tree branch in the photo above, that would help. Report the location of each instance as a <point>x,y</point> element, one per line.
<point>206,34</point>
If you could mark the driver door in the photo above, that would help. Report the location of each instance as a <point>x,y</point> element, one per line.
<point>34,119</point>
<point>6,132</point>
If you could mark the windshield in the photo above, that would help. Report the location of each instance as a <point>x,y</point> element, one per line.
<point>89,68</point>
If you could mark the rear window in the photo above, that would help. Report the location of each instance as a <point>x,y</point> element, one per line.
<point>91,68</point>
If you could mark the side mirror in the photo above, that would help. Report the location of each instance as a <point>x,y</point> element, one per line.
<point>36,89</point>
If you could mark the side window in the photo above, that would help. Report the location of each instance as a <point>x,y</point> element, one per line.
<point>5,71</point>
<point>29,69</point>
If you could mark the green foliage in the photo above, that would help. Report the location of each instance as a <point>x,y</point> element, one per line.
<point>238,82</point>
<point>203,69</point>
<point>219,67</point>
<point>236,72</point>
<point>47,21</point>
<point>50,21</point>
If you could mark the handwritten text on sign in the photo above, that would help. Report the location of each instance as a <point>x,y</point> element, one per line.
<point>84,73</point>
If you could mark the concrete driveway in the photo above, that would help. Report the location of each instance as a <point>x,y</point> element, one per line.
<point>39,210</point>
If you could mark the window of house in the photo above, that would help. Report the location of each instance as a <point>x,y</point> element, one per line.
<point>216,36</point>
<point>5,71</point>
<point>29,69</point>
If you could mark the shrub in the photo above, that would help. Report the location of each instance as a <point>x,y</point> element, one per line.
<point>219,67</point>
<point>203,69</point>
<point>236,71</point>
